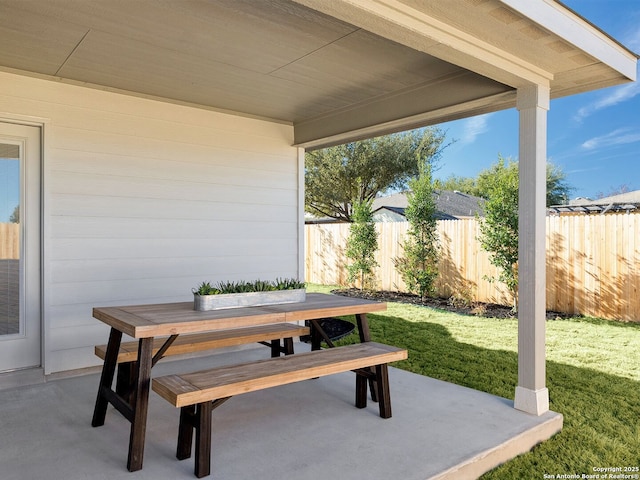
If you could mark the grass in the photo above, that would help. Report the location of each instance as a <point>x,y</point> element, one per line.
<point>593,376</point>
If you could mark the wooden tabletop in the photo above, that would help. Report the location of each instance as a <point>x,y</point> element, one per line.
<point>140,321</point>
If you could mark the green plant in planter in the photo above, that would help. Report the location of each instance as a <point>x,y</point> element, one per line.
<point>205,288</point>
<point>263,286</point>
<point>234,287</point>
<point>288,284</point>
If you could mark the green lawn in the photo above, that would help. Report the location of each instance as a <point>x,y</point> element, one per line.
<point>593,376</point>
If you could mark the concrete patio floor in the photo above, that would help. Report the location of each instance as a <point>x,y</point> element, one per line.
<point>304,431</point>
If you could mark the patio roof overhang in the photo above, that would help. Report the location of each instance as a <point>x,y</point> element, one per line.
<point>336,70</point>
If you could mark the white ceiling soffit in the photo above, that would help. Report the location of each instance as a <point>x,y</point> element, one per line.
<point>335,69</point>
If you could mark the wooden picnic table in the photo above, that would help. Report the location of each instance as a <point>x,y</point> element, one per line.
<point>145,322</point>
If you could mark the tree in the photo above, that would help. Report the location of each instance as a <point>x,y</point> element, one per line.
<point>337,177</point>
<point>558,190</point>
<point>619,190</point>
<point>362,244</point>
<point>15,216</point>
<point>419,265</point>
<point>454,183</point>
<point>499,227</point>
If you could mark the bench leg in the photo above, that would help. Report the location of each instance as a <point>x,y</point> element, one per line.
<point>198,417</point>
<point>203,440</point>
<point>373,385</point>
<point>185,432</point>
<point>384,395</point>
<point>380,380</point>
<point>361,390</point>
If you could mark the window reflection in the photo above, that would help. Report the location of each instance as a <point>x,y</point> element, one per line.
<point>9,239</point>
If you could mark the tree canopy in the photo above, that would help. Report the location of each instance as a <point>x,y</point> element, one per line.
<point>15,216</point>
<point>362,244</point>
<point>419,264</point>
<point>558,190</point>
<point>499,227</point>
<point>338,177</point>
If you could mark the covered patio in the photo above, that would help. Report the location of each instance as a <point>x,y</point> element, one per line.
<point>303,431</point>
<point>172,150</point>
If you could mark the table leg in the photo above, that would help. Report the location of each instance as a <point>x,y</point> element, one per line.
<point>124,380</point>
<point>316,338</point>
<point>288,346</point>
<point>363,327</point>
<point>140,404</point>
<point>106,379</point>
<point>275,348</point>
<point>365,336</point>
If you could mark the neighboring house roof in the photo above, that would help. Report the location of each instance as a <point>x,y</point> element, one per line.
<point>312,220</point>
<point>450,205</point>
<point>624,202</point>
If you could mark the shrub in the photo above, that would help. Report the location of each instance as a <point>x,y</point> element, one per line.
<point>362,245</point>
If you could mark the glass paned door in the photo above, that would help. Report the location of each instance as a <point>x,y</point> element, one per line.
<point>20,247</point>
<point>10,239</point>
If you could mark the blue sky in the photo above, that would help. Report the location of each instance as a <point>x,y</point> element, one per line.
<point>9,187</point>
<point>593,137</point>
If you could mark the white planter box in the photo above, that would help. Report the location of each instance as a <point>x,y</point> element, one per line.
<point>249,299</point>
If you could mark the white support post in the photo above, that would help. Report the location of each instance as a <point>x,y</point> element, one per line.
<point>301,243</point>
<point>531,394</point>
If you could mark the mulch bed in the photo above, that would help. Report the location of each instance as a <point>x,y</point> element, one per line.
<point>477,309</point>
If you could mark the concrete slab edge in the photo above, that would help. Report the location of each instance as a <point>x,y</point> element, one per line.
<point>475,466</point>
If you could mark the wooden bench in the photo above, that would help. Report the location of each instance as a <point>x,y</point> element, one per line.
<point>269,335</point>
<point>198,393</point>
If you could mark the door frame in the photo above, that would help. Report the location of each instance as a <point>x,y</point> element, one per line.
<point>35,374</point>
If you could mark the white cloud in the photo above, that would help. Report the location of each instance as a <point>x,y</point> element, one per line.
<point>473,127</point>
<point>617,137</point>
<point>623,93</point>
<point>632,39</point>
<point>576,171</point>
<point>616,96</point>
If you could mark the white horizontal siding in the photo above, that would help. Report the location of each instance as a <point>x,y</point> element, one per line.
<point>82,205</point>
<point>144,200</point>
<point>67,359</point>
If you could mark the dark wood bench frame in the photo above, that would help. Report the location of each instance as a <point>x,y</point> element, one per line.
<point>199,393</point>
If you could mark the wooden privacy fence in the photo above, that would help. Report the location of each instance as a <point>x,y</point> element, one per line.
<point>593,262</point>
<point>9,241</point>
